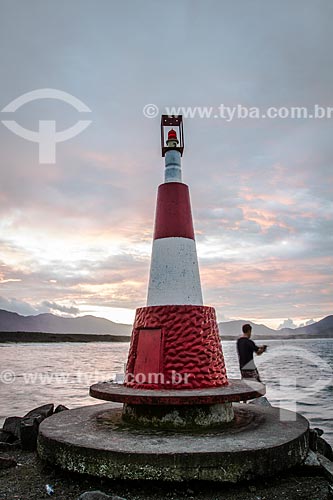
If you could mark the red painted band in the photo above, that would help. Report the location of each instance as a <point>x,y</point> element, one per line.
<point>173,212</point>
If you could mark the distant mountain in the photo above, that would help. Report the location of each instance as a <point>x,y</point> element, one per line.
<point>49,323</point>
<point>322,328</point>
<point>234,329</point>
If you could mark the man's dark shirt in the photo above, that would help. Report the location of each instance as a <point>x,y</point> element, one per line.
<point>245,348</point>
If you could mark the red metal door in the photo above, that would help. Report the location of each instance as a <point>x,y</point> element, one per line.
<point>148,353</point>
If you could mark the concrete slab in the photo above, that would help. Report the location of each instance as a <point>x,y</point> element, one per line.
<point>236,390</point>
<point>94,440</point>
<point>177,416</point>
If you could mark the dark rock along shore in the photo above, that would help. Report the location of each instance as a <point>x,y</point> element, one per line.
<point>24,477</point>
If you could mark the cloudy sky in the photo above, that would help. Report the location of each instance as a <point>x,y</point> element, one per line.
<point>75,235</point>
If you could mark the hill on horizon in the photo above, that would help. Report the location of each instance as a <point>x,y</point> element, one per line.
<point>234,328</point>
<point>50,323</point>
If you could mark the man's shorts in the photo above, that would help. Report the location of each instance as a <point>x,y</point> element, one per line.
<point>252,374</point>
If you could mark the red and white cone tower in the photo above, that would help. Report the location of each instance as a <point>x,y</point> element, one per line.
<point>174,271</point>
<point>175,341</point>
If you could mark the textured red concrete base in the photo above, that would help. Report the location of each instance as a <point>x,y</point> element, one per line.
<point>175,347</point>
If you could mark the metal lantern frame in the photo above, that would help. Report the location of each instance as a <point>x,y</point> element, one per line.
<point>176,122</point>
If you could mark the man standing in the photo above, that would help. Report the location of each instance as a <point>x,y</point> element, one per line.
<point>245,348</point>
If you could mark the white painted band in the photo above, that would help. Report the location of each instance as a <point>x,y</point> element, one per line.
<point>174,273</point>
<point>173,169</point>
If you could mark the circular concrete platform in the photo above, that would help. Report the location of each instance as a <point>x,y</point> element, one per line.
<point>236,390</point>
<point>94,440</point>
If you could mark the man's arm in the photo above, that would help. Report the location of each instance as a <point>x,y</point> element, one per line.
<point>261,349</point>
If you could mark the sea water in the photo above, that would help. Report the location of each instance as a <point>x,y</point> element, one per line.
<point>297,374</point>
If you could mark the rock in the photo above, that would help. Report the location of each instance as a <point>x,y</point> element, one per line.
<point>313,439</point>
<point>262,401</point>
<point>10,446</point>
<point>330,492</point>
<point>42,411</point>
<point>29,433</point>
<point>324,448</point>
<point>60,408</point>
<point>98,495</point>
<point>6,463</point>
<point>93,495</point>
<point>6,437</point>
<point>318,444</point>
<point>311,460</point>
<point>29,425</point>
<point>327,466</point>
<point>12,425</point>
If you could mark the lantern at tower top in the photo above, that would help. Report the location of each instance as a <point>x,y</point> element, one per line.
<point>175,140</point>
<point>172,141</point>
